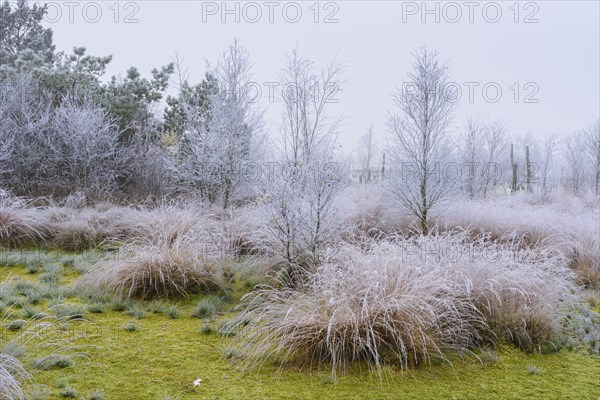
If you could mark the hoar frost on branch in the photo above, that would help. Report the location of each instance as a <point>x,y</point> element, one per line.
<point>299,198</point>
<point>420,141</point>
<point>223,138</point>
<point>47,149</point>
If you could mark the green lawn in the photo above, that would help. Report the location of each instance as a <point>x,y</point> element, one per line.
<point>164,356</point>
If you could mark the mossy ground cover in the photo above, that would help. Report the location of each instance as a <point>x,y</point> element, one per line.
<point>143,351</point>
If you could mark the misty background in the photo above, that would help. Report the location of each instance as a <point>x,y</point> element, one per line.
<point>558,55</point>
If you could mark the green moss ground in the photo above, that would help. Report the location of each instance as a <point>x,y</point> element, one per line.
<point>166,355</point>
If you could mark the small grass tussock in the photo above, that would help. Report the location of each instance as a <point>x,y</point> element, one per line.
<point>136,312</point>
<point>533,370</point>
<point>53,362</point>
<point>68,393</point>
<point>131,327</point>
<point>120,304</point>
<point>168,269</point>
<point>173,312</point>
<point>69,311</point>
<point>16,325</point>
<point>96,395</point>
<point>75,235</point>
<point>208,307</point>
<point>206,329</point>
<point>21,223</point>
<point>40,392</point>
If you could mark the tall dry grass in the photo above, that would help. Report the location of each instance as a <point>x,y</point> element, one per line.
<point>20,222</point>
<point>407,301</point>
<point>166,267</point>
<point>568,223</point>
<point>12,376</point>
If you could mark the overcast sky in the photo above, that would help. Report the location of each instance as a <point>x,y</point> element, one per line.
<point>544,56</point>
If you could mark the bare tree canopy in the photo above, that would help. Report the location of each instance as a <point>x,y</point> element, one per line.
<point>420,139</point>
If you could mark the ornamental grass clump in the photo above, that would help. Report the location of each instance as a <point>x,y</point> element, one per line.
<point>407,302</point>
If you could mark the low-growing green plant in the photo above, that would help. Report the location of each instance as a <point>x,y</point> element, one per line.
<point>68,393</point>
<point>50,278</point>
<point>96,395</point>
<point>35,343</point>
<point>13,349</point>
<point>33,268</point>
<point>62,383</point>
<point>157,307</point>
<point>33,313</point>
<point>173,312</point>
<point>120,304</point>
<point>533,370</point>
<point>206,329</point>
<point>488,357</point>
<point>23,287</point>
<point>136,312</point>
<point>71,311</point>
<point>96,308</point>
<point>327,380</point>
<point>131,327</point>
<point>16,300</point>
<point>231,353</point>
<point>53,362</point>
<point>16,325</point>
<point>55,293</point>
<point>208,307</point>
<point>40,392</point>
<point>227,328</point>
<point>51,268</point>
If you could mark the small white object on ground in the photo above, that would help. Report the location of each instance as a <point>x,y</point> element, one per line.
<point>197,382</point>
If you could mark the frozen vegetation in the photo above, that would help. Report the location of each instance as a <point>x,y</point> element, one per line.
<point>294,254</point>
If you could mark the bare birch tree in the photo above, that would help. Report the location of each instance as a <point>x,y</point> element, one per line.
<point>298,198</point>
<point>420,140</point>
<point>307,93</point>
